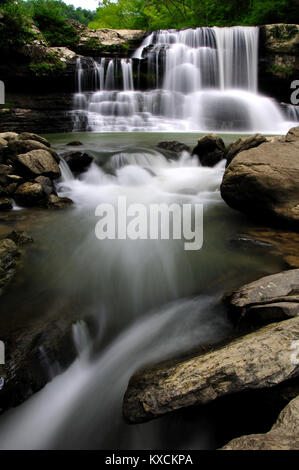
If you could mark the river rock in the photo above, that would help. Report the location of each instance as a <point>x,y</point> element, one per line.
<point>283,435</point>
<point>30,194</point>
<point>264,181</point>
<point>8,135</point>
<point>39,163</point>
<point>20,237</point>
<point>37,138</point>
<point>17,147</point>
<point>8,256</point>
<point>244,144</point>
<point>210,150</point>
<point>46,183</point>
<point>78,161</point>
<point>258,360</point>
<point>5,204</point>
<point>174,146</point>
<point>270,298</point>
<point>56,202</point>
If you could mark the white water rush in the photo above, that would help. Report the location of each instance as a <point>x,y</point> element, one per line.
<point>203,79</point>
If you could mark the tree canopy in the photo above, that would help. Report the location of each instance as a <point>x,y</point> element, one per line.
<point>160,14</point>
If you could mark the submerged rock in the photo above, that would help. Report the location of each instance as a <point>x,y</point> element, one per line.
<point>270,298</point>
<point>20,238</point>
<point>174,146</point>
<point>244,144</point>
<point>283,435</point>
<point>264,181</point>
<point>210,150</point>
<point>75,143</point>
<point>258,360</point>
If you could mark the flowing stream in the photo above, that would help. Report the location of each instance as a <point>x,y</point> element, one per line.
<point>149,299</point>
<point>203,79</point>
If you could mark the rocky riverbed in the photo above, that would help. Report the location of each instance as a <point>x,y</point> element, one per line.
<point>260,353</point>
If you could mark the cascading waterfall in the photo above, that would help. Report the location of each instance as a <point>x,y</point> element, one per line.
<point>203,79</point>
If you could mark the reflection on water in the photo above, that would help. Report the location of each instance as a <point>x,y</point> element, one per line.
<point>149,299</point>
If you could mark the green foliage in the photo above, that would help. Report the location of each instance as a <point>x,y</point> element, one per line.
<point>68,12</point>
<point>15,26</point>
<point>46,68</point>
<point>47,16</point>
<point>160,14</point>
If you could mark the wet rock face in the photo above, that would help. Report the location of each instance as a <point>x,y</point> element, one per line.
<point>264,181</point>
<point>278,59</point>
<point>260,359</point>
<point>282,436</point>
<point>78,161</point>
<point>210,150</point>
<point>271,298</point>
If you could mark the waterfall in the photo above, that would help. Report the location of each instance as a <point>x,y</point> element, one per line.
<point>203,79</point>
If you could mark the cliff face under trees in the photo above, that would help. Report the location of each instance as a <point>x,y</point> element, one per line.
<point>40,79</point>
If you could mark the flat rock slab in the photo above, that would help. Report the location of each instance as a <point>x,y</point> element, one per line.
<point>270,298</point>
<point>258,360</point>
<point>283,435</point>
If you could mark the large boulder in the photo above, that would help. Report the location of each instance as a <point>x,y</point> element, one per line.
<point>37,138</point>
<point>8,136</point>
<point>17,146</point>
<point>258,360</point>
<point>271,298</point>
<point>243,144</point>
<point>210,150</point>
<point>39,163</point>
<point>30,194</point>
<point>283,435</point>
<point>77,161</point>
<point>264,181</point>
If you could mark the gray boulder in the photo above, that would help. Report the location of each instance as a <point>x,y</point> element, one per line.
<point>264,181</point>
